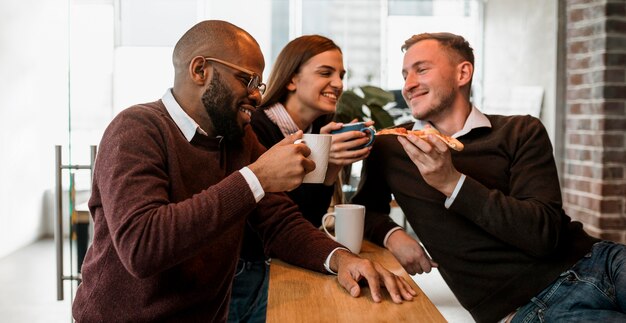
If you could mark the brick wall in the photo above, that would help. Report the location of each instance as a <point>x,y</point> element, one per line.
<point>594,169</point>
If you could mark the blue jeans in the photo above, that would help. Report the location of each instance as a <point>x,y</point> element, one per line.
<point>248,302</point>
<point>593,290</point>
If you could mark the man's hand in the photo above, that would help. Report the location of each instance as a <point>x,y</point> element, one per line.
<point>432,158</point>
<point>409,253</point>
<point>352,268</point>
<point>283,166</point>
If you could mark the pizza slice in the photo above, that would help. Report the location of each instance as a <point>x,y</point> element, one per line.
<point>453,143</point>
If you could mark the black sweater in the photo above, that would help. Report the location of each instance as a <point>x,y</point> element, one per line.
<point>506,237</point>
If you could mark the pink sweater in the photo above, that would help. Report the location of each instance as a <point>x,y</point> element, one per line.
<point>169,217</point>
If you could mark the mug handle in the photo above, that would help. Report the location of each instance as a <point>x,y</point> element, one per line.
<point>372,133</point>
<point>324,224</point>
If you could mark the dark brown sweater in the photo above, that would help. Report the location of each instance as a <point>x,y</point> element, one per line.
<point>505,237</point>
<point>169,217</point>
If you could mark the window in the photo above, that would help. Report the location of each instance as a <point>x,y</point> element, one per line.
<point>132,45</point>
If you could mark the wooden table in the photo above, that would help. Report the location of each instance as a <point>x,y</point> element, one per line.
<point>301,295</point>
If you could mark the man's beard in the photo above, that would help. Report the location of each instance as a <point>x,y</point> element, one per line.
<point>441,106</point>
<point>218,102</point>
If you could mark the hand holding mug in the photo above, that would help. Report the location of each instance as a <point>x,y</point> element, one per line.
<point>319,144</point>
<point>283,166</point>
<point>364,127</point>
<point>349,146</point>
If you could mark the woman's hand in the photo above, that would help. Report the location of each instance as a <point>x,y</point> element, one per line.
<point>343,149</point>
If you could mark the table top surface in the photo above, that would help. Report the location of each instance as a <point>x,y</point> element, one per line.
<point>301,295</point>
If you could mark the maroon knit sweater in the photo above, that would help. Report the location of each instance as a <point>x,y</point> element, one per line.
<point>169,217</point>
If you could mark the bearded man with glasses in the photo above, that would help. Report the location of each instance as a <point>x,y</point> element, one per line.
<point>177,180</point>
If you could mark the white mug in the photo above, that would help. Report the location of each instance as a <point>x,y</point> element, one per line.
<point>349,220</point>
<point>320,149</point>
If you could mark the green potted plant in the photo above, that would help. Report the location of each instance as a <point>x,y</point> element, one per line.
<point>371,105</point>
<point>351,106</point>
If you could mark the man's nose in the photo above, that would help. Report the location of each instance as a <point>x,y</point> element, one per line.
<point>411,81</point>
<point>255,97</point>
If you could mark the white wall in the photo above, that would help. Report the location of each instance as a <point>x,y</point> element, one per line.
<point>520,49</point>
<point>33,113</point>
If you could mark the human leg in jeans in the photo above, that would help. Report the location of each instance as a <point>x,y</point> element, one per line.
<point>593,290</point>
<point>249,296</point>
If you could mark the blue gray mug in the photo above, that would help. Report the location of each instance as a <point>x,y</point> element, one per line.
<point>358,126</point>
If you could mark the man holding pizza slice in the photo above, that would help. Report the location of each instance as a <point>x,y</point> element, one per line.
<point>491,215</point>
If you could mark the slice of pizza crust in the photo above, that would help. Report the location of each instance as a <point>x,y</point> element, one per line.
<point>453,143</point>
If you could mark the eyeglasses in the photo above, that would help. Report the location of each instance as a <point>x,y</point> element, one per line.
<point>255,79</point>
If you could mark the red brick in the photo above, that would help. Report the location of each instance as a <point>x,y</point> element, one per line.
<point>613,172</point>
<point>613,108</point>
<point>575,79</point>
<point>616,236</point>
<point>615,92</point>
<point>615,59</point>
<point>612,140</point>
<point>615,75</point>
<point>614,156</point>
<point>578,154</point>
<point>579,47</point>
<point>607,222</point>
<point>575,15</point>
<point>578,124</point>
<point>615,206</point>
<point>578,63</point>
<point>573,108</point>
<point>616,9</point>
<point>586,139</point>
<point>579,94</point>
<point>613,25</point>
<point>585,30</point>
<point>618,190</point>
<point>614,124</point>
<point>586,171</point>
<point>578,185</point>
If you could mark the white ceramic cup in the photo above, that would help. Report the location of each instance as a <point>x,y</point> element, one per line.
<point>320,149</point>
<point>349,220</point>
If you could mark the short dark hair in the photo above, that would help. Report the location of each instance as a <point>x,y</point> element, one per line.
<point>455,45</point>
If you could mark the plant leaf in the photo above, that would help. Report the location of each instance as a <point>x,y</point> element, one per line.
<point>375,96</point>
<point>349,107</point>
<point>382,119</point>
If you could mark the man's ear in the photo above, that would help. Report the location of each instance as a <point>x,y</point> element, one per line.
<point>197,70</point>
<point>465,71</point>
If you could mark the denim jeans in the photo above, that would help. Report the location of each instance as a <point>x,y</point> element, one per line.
<point>593,290</point>
<point>248,302</point>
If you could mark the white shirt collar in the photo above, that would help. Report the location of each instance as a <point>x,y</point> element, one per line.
<point>185,123</point>
<point>476,119</point>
